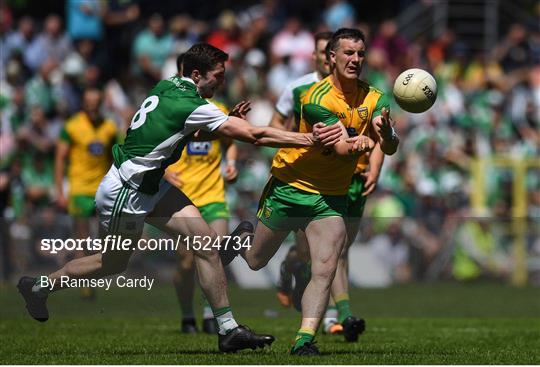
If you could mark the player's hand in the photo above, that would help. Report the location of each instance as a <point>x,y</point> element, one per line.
<point>371,182</point>
<point>241,109</point>
<point>230,173</point>
<point>173,177</point>
<point>361,144</point>
<point>385,125</point>
<point>327,135</point>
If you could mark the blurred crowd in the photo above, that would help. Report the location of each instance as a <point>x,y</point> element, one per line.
<point>420,222</point>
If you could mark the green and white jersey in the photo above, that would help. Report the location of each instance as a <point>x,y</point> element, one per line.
<point>290,101</point>
<point>168,117</point>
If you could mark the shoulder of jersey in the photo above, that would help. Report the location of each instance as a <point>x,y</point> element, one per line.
<point>372,89</point>
<point>305,79</point>
<point>316,93</point>
<point>175,85</point>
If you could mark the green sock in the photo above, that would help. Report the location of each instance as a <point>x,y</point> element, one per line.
<point>343,306</point>
<point>303,336</point>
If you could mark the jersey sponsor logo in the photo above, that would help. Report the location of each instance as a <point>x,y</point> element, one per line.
<point>341,115</point>
<point>96,148</point>
<point>199,147</point>
<point>363,113</point>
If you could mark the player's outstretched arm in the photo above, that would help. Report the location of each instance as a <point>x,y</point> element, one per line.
<point>240,129</point>
<point>386,135</point>
<point>352,147</point>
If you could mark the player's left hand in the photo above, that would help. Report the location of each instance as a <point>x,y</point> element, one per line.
<point>371,182</point>
<point>385,125</point>
<point>361,143</point>
<point>327,135</point>
<point>230,173</point>
<point>241,109</point>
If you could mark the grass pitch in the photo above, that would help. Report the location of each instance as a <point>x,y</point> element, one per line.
<point>412,324</point>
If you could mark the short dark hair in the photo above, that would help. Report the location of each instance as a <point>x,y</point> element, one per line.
<point>179,61</point>
<point>323,36</point>
<point>202,57</point>
<point>343,33</point>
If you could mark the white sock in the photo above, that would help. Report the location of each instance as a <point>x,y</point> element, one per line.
<point>330,317</point>
<point>331,313</point>
<point>226,322</point>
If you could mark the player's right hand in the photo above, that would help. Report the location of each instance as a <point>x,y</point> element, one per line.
<point>361,144</point>
<point>327,135</point>
<point>241,110</point>
<point>61,202</point>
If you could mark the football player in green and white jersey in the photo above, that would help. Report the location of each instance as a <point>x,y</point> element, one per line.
<point>133,190</point>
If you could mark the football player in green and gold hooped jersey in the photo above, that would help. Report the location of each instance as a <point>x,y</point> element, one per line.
<point>133,191</point>
<point>363,183</point>
<point>308,188</point>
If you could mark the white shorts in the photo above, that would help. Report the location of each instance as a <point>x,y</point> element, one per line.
<point>122,209</point>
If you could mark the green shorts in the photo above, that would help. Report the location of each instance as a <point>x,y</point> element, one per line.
<point>81,206</point>
<point>284,207</point>
<point>213,211</point>
<point>355,201</point>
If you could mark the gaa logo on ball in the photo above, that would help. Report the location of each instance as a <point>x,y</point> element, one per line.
<point>415,90</point>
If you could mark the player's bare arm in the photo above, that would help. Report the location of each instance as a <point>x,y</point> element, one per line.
<point>387,137</point>
<point>376,160</point>
<point>230,151</point>
<point>351,147</point>
<point>242,130</point>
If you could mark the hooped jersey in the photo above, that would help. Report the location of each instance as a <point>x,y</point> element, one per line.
<point>289,103</point>
<point>159,130</point>
<point>317,169</point>
<point>89,153</point>
<point>200,170</point>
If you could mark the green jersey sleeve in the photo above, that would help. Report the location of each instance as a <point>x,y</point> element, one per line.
<point>381,102</point>
<point>64,135</point>
<point>314,113</point>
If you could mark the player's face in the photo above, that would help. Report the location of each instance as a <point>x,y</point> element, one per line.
<point>92,102</point>
<point>209,83</point>
<point>348,58</point>
<point>321,63</point>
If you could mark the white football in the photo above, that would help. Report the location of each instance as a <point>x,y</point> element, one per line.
<point>415,90</point>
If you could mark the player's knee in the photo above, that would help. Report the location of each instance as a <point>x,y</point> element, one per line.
<point>186,266</point>
<point>325,270</point>
<point>186,263</point>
